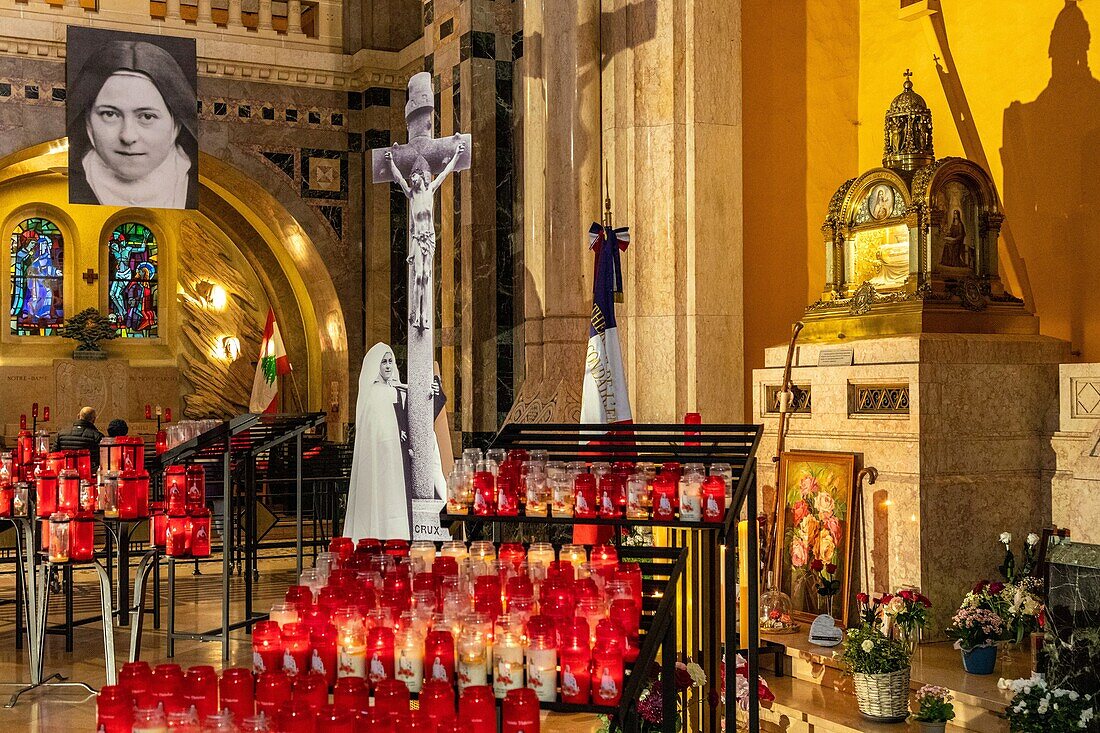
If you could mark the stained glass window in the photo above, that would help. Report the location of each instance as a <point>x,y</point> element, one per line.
<point>132,281</point>
<point>37,293</point>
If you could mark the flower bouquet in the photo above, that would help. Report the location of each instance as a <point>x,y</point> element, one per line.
<point>1021,597</point>
<point>906,611</point>
<point>977,626</point>
<point>879,666</point>
<point>934,709</point>
<point>1040,708</point>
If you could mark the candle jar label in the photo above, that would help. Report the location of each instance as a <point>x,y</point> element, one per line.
<point>353,663</point>
<point>410,669</point>
<point>507,669</point>
<point>691,509</point>
<point>472,672</point>
<point>542,666</point>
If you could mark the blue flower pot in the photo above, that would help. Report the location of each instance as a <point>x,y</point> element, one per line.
<point>980,660</point>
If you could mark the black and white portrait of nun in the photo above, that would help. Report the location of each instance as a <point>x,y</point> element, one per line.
<point>380,493</point>
<point>132,120</point>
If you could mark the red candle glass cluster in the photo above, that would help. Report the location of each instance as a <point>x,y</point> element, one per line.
<point>181,525</point>
<point>520,485</point>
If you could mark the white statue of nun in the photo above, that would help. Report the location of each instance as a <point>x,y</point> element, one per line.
<point>379,503</point>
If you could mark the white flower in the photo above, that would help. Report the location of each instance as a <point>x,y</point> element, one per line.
<point>698,676</point>
<point>867,646</point>
<point>1086,718</point>
<point>1032,539</point>
<point>1006,538</point>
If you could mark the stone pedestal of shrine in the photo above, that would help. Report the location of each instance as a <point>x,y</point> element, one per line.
<point>959,428</point>
<point>1075,500</point>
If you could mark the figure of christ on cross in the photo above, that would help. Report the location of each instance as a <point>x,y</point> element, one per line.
<point>419,167</point>
<point>421,195</point>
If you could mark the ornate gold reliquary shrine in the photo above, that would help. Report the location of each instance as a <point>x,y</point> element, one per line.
<point>911,247</point>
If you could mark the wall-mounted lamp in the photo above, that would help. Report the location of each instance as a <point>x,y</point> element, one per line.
<point>230,348</point>
<point>212,295</point>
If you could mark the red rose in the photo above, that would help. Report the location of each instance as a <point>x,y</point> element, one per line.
<point>906,594</point>
<point>996,588</point>
<point>830,568</point>
<point>817,565</point>
<point>980,586</point>
<point>923,600</point>
<point>886,599</point>
<point>862,598</point>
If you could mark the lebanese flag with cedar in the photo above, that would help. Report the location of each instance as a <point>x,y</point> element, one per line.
<point>273,363</point>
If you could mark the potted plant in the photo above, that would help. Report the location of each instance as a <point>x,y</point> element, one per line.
<point>934,709</point>
<point>977,626</point>
<point>1038,707</point>
<point>879,666</point>
<point>1020,599</point>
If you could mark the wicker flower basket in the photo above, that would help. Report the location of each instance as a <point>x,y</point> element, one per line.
<point>883,697</point>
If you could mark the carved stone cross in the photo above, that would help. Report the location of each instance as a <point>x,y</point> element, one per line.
<point>419,167</point>
<point>90,276</point>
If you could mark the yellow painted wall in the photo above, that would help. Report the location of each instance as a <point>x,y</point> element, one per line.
<point>1038,119</point>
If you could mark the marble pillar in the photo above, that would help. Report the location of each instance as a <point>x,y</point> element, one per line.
<point>1075,491</point>
<point>672,140</point>
<point>959,428</point>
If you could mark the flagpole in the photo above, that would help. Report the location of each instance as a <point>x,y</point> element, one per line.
<point>297,395</point>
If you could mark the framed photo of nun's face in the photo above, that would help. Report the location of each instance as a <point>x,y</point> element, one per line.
<point>131,114</point>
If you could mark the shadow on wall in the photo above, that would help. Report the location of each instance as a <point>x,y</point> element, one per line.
<point>1051,156</point>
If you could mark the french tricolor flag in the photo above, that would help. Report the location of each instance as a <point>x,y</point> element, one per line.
<point>604,398</point>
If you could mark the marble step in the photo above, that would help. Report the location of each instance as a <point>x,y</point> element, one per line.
<point>978,702</point>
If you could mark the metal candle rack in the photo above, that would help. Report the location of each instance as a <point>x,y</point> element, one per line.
<point>712,546</point>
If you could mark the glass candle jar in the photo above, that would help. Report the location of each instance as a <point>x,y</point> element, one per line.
<point>150,720</point>
<point>439,656</point>
<point>88,496</point>
<point>332,719</point>
<point>457,550</point>
<point>610,494</point>
<point>136,678</point>
<point>536,495</point>
<point>20,499</point>
<point>473,658</point>
<point>200,532</point>
<point>513,554</point>
<point>624,613</point>
<point>665,497</point>
<point>409,656</point>
<point>7,497</point>
<point>108,494</point>
<point>45,487</point>
<point>177,537</point>
<point>166,687</point>
<point>542,659</point>
<point>607,675</point>
<point>82,537</point>
<point>507,659</point>
<point>714,498</point>
<point>540,555</point>
<point>236,691</point>
<point>322,643</point>
<point>196,486</point>
<point>691,498</point>
<point>437,702</point>
<point>574,554</point>
<point>272,692</point>
<point>605,558</point>
<point>584,496</point>
<point>390,698</point>
<point>561,498</point>
<point>507,495</point>
<point>175,490</point>
<point>59,537</point>
<point>114,709</point>
<point>200,690</point>
<point>158,524</point>
<point>637,495</point>
<point>483,553</point>
<point>133,495</point>
<point>351,648</point>
<point>267,647</point>
<point>296,649</point>
<point>477,710</point>
<point>456,493</point>
<point>396,548</point>
<point>283,613</point>
<point>351,693</point>
<point>309,691</point>
<point>380,647</point>
<point>68,491</point>
<point>485,498</point>
<point>576,661</point>
<point>422,556</point>
<point>520,711</point>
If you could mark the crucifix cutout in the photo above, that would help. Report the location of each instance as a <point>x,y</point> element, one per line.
<point>90,276</point>
<point>419,168</point>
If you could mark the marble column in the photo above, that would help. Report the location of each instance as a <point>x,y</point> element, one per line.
<point>204,12</point>
<point>561,198</point>
<point>264,21</point>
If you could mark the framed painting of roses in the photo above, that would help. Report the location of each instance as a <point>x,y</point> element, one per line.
<point>815,533</point>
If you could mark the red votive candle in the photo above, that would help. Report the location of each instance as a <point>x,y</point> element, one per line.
<point>272,692</point>
<point>237,692</point>
<point>200,532</point>
<point>352,693</point>
<point>68,491</point>
<point>604,560</point>
<point>674,471</point>
<point>133,495</point>
<point>576,660</point>
<point>167,687</point>
<point>294,718</point>
<point>371,721</point>
<point>485,498</point>
<point>439,656</point>
<point>267,647</point>
<point>45,488</point>
<point>82,537</point>
<point>714,499</point>
<point>507,495</point>
<point>623,613</point>
<point>175,490</point>
<point>584,496</point>
<point>333,719</point>
<point>200,688</point>
<point>520,712</point>
<point>133,453</point>
<point>342,547</point>
<point>137,677</point>
<point>512,552</point>
<point>665,497</point>
<point>562,570</point>
<point>396,548</point>
<point>322,641</point>
<point>477,709</point>
<point>158,523</point>
<point>380,643</point>
<point>114,709</point>
<point>437,701</point>
<point>391,697</point>
<point>296,649</point>
<point>607,675</point>
<point>177,538</point>
<point>611,491</point>
<point>196,486</point>
<point>310,690</point>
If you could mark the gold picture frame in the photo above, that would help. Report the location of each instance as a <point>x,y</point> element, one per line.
<point>817,492</point>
